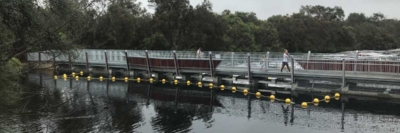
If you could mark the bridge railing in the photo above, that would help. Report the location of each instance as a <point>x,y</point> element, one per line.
<point>234,60</point>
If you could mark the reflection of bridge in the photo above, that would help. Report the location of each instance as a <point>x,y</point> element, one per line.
<point>348,75</point>
<point>212,102</point>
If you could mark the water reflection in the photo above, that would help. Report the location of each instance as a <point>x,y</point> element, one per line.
<point>106,106</point>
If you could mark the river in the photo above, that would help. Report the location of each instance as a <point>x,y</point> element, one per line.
<point>104,106</point>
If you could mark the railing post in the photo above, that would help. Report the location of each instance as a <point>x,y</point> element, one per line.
<point>54,61</point>
<point>127,60</point>
<point>232,58</point>
<point>343,73</point>
<point>355,62</point>
<point>148,63</point>
<point>70,61</point>
<point>176,63</point>
<point>87,60</point>
<point>292,72</point>
<point>40,57</point>
<point>106,58</point>
<point>267,60</point>
<point>248,66</point>
<point>211,64</point>
<point>308,58</point>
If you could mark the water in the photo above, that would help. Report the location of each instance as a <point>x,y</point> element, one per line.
<point>76,106</point>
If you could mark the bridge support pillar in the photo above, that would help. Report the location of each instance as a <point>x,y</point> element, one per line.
<point>211,65</point>
<point>107,69</point>
<point>127,61</point>
<point>87,61</point>
<point>248,67</point>
<point>254,84</point>
<point>148,63</point>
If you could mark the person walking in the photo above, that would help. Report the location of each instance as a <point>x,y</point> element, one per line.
<point>285,60</point>
<point>262,63</point>
<point>199,53</point>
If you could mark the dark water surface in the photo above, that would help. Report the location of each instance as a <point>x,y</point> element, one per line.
<point>95,106</point>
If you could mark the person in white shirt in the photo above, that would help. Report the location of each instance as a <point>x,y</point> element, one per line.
<point>199,53</point>
<point>285,60</point>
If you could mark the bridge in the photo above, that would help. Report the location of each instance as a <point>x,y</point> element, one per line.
<point>347,73</point>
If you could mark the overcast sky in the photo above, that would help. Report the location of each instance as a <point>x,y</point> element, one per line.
<point>267,8</point>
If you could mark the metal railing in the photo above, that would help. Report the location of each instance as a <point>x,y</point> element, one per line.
<point>238,60</point>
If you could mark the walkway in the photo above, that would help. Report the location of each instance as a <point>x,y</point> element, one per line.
<point>307,65</point>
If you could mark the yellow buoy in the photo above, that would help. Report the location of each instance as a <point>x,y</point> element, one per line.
<point>210,85</point>
<point>287,101</point>
<point>258,95</point>
<point>163,81</point>
<point>188,82</point>
<point>327,99</point>
<point>55,77</point>
<point>138,80</point>
<point>101,78</point>
<point>151,80</point>
<point>126,78</point>
<point>64,75</point>
<point>88,78</point>
<point>272,98</point>
<point>337,96</point>
<point>304,105</point>
<point>222,87</point>
<point>233,89</point>
<point>77,77</point>
<point>316,101</point>
<point>113,78</point>
<point>199,84</point>
<point>245,92</point>
<point>175,82</point>
<point>81,73</point>
<point>73,74</point>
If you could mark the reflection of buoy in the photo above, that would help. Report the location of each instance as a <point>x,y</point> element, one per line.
<point>234,89</point>
<point>272,98</point>
<point>222,87</point>
<point>151,80</point>
<point>304,105</point>
<point>245,92</point>
<point>258,95</point>
<point>188,82</point>
<point>337,96</point>
<point>210,85</point>
<point>287,101</point>
<point>327,99</point>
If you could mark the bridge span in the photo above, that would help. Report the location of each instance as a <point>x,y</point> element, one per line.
<point>350,73</point>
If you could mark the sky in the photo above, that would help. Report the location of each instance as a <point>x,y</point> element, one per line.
<point>267,8</point>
